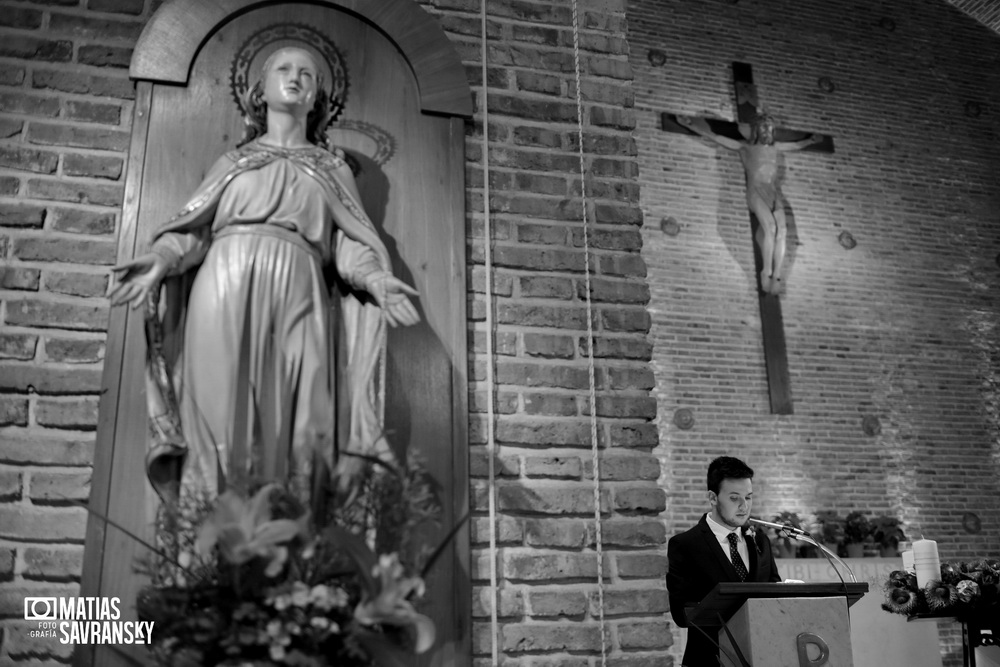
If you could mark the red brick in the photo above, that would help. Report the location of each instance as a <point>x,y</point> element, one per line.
<point>10,127</point>
<point>21,215</point>
<point>82,222</point>
<point>75,82</point>
<point>626,468</point>
<point>55,488</point>
<point>34,48</point>
<point>13,410</point>
<point>27,159</point>
<point>641,565</point>
<point>42,524</point>
<point>649,500</point>
<point>26,103</point>
<point>541,287</point>
<point>549,346</point>
<point>619,119</point>
<point>545,234</point>
<point>536,82</point>
<point>510,603</point>
<point>541,431</point>
<point>18,346</point>
<point>526,314</point>
<point>79,192</point>
<point>619,348</point>
<point>55,564</point>
<point>632,534</point>
<point>625,406</point>
<point>625,319</point>
<point>102,55</point>
<point>538,499</point>
<point>541,374</point>
<point>504,343</point>
<point>76,283</point>
<point>74,350</point>
<point>614,291</point>
<point>555,533</point>
<point>10,485</point>
<point>11,74</point>
<point>133,7</point>
<point>549,404</point>
<point>655,634</point>
<point>75,250</point>
<point>508,531</point>
<point>634,435</point>
<point>557,602</point>
<point>16,17</point>
<point>94,166</point>
<point>47,380</point>
<point>78,413</point>
<point>7,557</point>
<point>24,447</point>
<point>19,278</point>
<point>538,136</point>
<point>94,28</point>
<point>535,565</point>
<point>80,137</point>
<point>93,112</point>
<point>530,637</point>
<point>623,377</point>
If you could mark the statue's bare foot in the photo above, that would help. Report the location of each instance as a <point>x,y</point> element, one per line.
<point>765,283</point>
<point>777,285</point>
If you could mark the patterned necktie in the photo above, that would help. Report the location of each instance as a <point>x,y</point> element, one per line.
<point>741,568</point>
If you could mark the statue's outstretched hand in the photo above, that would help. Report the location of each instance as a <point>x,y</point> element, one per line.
<point>390,293</point>
<point>136,278</point>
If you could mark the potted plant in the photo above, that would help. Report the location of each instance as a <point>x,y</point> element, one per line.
<point>857,530</point>
<point>786,545</point>
<point>831,529</point>
<point>888,533</point>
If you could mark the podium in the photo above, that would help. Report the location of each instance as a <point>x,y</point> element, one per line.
<point>771,624</point>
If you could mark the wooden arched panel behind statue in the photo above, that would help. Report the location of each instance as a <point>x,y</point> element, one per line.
<point>412,181</point>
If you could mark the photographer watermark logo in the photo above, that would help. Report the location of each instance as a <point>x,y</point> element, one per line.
<point>84,621</point>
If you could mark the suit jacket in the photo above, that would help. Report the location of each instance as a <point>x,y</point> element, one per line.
<point>696,563</point>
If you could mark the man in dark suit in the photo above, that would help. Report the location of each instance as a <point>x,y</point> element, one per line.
<point>718,548</point>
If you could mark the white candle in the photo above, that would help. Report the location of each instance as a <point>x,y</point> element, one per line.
<point>926,561</point>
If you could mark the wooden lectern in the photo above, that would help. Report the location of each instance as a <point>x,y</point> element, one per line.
<point>772,624</point>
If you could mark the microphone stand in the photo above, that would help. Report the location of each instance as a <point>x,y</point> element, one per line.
<point>827,553</point>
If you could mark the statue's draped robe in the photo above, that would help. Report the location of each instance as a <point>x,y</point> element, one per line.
<point>255,367</point>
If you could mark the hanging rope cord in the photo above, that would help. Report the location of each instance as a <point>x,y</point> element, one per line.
<point>491,452</point>
<point>592,384</point>
<point>591,375</point>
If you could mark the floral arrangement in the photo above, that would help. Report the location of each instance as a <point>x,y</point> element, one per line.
<point>258,578</point>
<point>966,590</point>
<point>887,531</point>
<point>857,528</point>
<point>830,527</point>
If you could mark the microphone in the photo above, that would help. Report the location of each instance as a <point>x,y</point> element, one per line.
<point>780,526</point>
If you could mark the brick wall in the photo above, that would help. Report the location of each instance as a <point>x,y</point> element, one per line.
<point>903,328</point>
<point>546,563</point>
<point>65,112</point>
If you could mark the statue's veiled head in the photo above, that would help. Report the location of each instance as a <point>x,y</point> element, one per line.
<point>291,76</point>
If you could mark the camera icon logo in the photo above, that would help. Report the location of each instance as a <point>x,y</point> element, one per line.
<point>40,609</point>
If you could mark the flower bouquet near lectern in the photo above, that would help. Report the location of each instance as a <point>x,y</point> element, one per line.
<point>968,591</point>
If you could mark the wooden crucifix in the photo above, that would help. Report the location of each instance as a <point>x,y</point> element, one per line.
<point>759,145</point>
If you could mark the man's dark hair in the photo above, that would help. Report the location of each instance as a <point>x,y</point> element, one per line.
<point>726,467</point>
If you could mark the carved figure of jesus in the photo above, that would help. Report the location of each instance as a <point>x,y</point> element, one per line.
<point>760,155</point>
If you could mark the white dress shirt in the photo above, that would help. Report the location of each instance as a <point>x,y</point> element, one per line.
<point>722,535</point>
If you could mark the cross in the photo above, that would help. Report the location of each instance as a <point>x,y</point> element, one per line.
<point>768,240</point>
